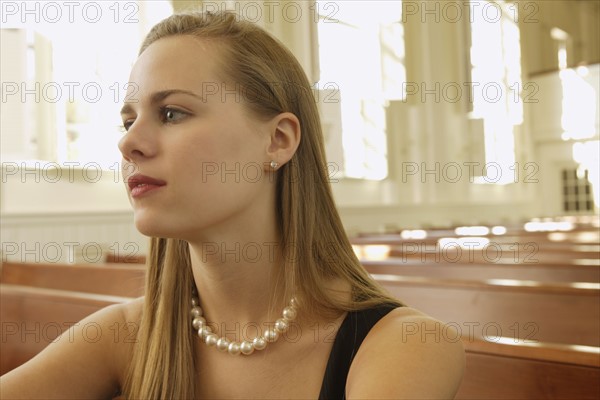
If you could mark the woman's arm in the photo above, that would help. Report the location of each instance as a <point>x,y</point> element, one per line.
<point>407,355</point>
<point>86,362</point>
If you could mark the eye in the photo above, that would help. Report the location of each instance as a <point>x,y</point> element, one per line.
<point>172,115</point>
<point>126,125</point>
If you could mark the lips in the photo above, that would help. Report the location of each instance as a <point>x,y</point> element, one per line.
<point>141,184</point>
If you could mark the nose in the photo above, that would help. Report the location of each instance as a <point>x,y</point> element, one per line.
<point>137,143</point>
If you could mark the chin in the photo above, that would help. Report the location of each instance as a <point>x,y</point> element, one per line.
<point>152,226</point>
<point>159,226</point>
<point>150,231</point>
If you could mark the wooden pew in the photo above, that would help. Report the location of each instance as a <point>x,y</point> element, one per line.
<point>519,251</point>
<point>518,247</point>
<point>494,370</point>
<point>580,234</point>
<point>125,259</point>
<point>519,370</point>
<point>558,312</point>
<point>110,279</point>
<point>491,255</point>
<point>32,317</point>
<point>479,271</point>
<point>40,301</point>
<point>564,240</point>
<point>508,370</point>
<point>453,253</point>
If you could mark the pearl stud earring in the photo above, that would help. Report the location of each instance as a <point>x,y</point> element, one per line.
<point>274,164</point>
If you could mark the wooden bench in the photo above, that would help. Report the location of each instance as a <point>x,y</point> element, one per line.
<point>491,255</point>
<point>568,243</point>
<point>558,312</point>
<point>479,271</point>
<point>453,253</point>
<point>111,279</point>
<point>32,317</point>
<point>580,235</point>
<point>125,259</point>
<point>511,370</point>
<point>588,241</point>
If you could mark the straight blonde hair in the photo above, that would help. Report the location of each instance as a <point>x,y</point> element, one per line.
<point>313,241</point>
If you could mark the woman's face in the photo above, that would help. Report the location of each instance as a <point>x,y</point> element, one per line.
<point>201,155</point>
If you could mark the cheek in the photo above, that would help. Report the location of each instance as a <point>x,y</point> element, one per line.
<point>218,161</point>
<point>222,146</point>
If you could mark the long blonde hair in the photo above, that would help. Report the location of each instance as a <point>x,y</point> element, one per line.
<point>313,242</point>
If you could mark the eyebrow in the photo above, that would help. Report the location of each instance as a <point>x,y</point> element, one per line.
<point>159,96</point>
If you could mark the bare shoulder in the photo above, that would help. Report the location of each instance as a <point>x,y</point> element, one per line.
<point>133,309</point>
<point>407,355</point>
<point>86,361</point>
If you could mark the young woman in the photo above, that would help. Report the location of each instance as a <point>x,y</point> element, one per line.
<point>253,290</point>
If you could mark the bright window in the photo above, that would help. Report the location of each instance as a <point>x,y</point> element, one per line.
<point>77,57</point>
<point>498,92</point>
<point>361,57</point>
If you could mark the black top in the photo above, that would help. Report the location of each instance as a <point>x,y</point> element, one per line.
<point>350,336</point>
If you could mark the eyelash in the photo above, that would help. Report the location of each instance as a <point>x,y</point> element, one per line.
<point>162,111</point>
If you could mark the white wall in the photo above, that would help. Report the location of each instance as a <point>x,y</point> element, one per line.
<point>46,209</point>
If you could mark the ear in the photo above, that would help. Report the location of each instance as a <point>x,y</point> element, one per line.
<point>284,138</point>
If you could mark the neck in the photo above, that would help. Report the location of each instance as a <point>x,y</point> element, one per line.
<point>239,277</point>
<point>237,264</point>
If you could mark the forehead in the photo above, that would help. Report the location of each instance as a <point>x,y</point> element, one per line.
<point>183,62</point>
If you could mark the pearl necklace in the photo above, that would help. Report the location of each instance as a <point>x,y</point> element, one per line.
<point>271,335</point>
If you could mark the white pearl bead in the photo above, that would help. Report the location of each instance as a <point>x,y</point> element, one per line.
<point>211,339</point>
<point>259,343</point>
<point>293,302</point>
<point>204,331</point>
<point>198,322</point>
<point>194,302</point>
<point>247,348</point>
<point>281,325</point>
<point>289,313</point>
<point>234,348</point>
<point>271,335</point>
<point>196,312</point>
<point>223,344</point>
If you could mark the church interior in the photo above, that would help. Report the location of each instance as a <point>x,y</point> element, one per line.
<point>462,143</point>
